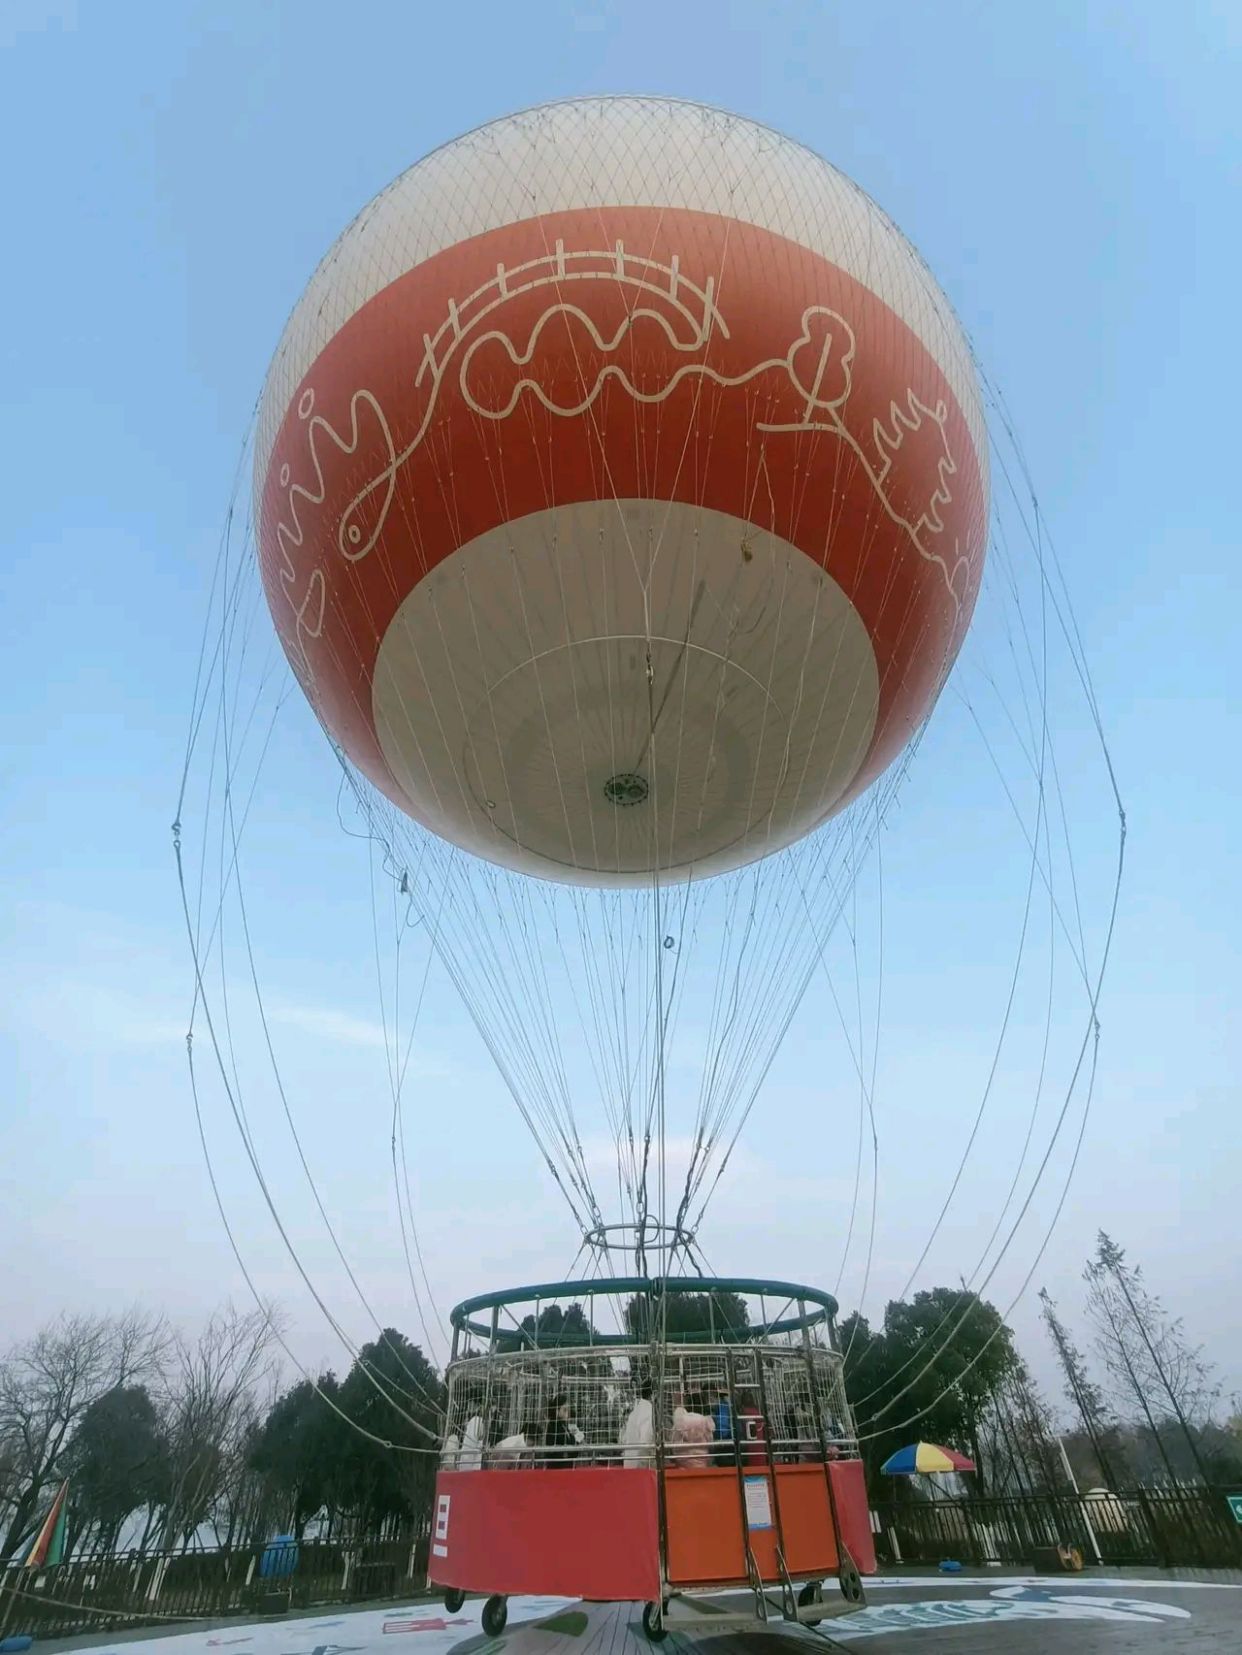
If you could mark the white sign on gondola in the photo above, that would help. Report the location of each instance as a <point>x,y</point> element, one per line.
<point>439,1540</point>
<point>758,1503</point>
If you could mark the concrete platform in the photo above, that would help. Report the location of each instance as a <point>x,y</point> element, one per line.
<point>991,1613</point>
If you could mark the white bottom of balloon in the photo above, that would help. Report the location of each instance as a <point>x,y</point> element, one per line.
<point>613,686</point>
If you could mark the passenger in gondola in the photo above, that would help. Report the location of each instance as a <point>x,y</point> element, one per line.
<point>722,1420</point>
<point>796,1429</point>
<point>753,1432</point>
<point>473,1442</point>
<point>638,1432</point>
<point>808,1444</point>
<point>511,1452</point>
<point>692,1434</point>
<point>560,1437</point>
<point>834,1435</point>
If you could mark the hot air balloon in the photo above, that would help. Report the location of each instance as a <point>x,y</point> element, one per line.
<point>621,490</point>
<point>621,498</point>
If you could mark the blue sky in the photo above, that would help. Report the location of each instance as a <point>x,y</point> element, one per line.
<point>1070,172</point>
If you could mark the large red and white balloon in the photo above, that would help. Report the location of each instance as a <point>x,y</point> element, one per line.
<point>621,483</point>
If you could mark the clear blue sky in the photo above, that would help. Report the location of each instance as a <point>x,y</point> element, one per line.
<point>173,174</point>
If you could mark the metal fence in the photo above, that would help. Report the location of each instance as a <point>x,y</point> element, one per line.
<point>1165,1528</point>
<point>1181,1528</point>
<point>105,1594</point>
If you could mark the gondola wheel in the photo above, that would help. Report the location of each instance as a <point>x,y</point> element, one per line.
<point>850,1582</point>
<point>812,1592</point>
<point>653,1622</point>
<point>495,1614</point>
<point>454,1597</point>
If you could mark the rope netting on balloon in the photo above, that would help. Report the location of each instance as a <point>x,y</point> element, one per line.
<point>637,1025</point>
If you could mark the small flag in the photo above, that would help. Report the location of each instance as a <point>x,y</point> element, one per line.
<point>49,1546</point>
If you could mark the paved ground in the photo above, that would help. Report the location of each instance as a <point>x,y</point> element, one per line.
<point>991,1614</point>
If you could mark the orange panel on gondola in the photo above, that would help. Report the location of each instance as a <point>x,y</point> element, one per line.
<point>704,1519</point>
<point>704,1512</point>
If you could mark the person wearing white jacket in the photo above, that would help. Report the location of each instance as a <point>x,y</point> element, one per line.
<point>638,1432</point>
<point>473,1442</point>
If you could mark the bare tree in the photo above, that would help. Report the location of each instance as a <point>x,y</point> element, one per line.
<point>1034,1425</point>
<point>212,1385</point>
<point>46,1386</point>
<point>10,1474</point>
<point>1082,1391</point>
<point>244,1507</point>
<point>1146,1352</point>
<point>1017,1439</point>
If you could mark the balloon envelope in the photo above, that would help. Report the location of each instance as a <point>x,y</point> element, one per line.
<point>621,489</point>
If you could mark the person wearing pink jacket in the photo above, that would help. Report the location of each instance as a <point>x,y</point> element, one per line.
<point>692,1433</point>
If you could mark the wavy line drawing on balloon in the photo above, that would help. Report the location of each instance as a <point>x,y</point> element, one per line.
<point>554,270</point>
<point>607,345</point>
<point>818,365</point>
<point>295,536</point>
<point>888,440</point>
<point>314,601</point>
<point>309,610</point>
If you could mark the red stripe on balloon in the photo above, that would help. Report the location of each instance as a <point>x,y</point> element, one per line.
<point>874,475</point>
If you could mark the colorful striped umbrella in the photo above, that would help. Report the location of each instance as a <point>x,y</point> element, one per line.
<point>49,1546</point>
<point>924,1456</point>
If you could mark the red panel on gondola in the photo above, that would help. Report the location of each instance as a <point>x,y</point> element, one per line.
<point>849,1486</point>
<point>589,1533</point>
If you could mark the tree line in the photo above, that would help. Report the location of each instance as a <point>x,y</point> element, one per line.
<point>169,1440</point>
<point>1144,1409</point>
